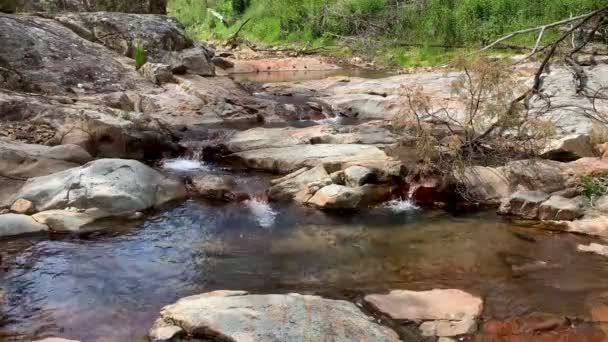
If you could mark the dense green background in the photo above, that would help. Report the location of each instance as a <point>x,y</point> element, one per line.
<point>394,22</point>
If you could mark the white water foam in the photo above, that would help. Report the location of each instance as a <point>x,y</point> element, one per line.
<point>401,206</point>
<point>183,165</point>
<point>262,211</point>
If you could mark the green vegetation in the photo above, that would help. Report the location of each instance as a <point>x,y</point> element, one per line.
<point>139,53</point>
<point>378,27</point>
<point>594,187</point>
<point>8,6</point>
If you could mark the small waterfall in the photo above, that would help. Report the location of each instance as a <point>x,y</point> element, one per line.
<point>401,206</point>
<point>190,162</point>
<point>262,211</point>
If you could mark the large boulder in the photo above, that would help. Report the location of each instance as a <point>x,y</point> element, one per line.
<point>241,317</point>
<point>113,187</point>
<point>159,35</point>
<point>444,313</point>
<point>43,56</point>
<point>15,224</point>
<point>138,6</point>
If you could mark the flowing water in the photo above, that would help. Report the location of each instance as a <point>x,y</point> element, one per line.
<point>111,285</point>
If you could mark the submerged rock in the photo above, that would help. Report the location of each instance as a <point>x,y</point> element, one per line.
<point>214,187</point>
<point>445,312</point>
<point>241,317</point>
<point>15,224</point>
<point>114,187</point>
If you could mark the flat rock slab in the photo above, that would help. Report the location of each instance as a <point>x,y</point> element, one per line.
<point>240,317</point>
<point>436,304</point>
<point>291,158</point>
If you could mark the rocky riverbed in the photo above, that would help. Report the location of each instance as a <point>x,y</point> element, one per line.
<point>284,211</point>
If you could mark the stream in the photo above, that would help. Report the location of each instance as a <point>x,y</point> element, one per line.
<point>111,285</point>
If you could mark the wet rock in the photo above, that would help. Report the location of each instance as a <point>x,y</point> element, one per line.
<point>292,158</point>
<point>372,194</point>
<point>524,204</point>
<point>425,191</point>
<point>445,312</point>
<point>62,221</point>
<point>355,176</point>
<point>55,339</point>
<point>15,224</point>
<point>23,207</point>
<point>594,248</point>
<point>114,187</point>
<point>156,73</point>
<point>291,185</point>
<point>561,209</point>
<point>240,317</point>
<point>214,187</point>
<point>335,197</point>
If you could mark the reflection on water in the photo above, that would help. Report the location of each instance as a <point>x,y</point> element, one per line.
<point>110,286</point>
<point>306,75</point>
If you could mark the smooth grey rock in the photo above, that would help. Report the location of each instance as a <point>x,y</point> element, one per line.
<point>113,186</point>
<point>240,317</point>
<point>15,224</point>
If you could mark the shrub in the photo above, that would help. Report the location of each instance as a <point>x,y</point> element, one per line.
<point>594,187</point>
<point>139,53</point>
